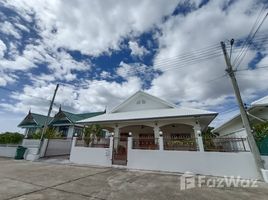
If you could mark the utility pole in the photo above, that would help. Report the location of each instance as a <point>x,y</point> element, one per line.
<point>243,113</point>
<point>49,112</point>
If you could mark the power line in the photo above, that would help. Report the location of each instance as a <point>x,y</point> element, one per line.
<point>250,33</point>
<point>242,55</point>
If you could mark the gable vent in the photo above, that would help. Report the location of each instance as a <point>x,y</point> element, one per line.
<point>141,102</point>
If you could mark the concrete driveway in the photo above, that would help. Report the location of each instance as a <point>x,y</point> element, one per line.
<point>24,180</point>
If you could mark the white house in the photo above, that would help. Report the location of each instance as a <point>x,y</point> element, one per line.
<point>151,134</point>
<point>257,113</point>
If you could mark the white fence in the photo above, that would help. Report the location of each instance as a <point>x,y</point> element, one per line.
<point>208,163</point>
<point>58,147</point>
<point>8,151</point>
<point>29,143</point>
<point>91,155</point>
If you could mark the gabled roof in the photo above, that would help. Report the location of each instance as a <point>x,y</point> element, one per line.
<point>161,109</point>
<point>144,94</point>
<point>261,102</point>
<point>72,117</point>
<point>34,119</point>
<point>149,114</point>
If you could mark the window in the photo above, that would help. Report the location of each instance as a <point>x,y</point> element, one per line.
<point>64,131</point>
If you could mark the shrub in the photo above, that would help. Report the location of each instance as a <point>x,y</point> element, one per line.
<point>11,138</point>
<point>261,131</point>
<point>49,134</point>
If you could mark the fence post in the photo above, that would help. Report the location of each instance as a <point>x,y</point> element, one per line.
<point>200,143</point>
<point>198,135</point>
<point>111,147</point>
<point>160,141</point>
<point>74,142</point>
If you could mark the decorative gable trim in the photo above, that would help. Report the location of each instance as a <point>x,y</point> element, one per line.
<point>58,116</point>
<point>124,103</point>
<point>28,117</point>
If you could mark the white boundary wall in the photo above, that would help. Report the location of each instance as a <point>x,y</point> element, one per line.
<point>7,151</point>
<point>91,155</point>
<point>207,163</point>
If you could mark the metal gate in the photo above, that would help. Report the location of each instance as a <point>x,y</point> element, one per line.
<point>58,147</point>
<point>119,151</point>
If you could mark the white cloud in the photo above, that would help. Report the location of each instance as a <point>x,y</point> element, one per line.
<point>9,29</point>
<point>2,49</point>
<point>93,27</point>
<point>94,97</point>
<point>96,28</point>
<point>189,84</point>
<point>137,50</point>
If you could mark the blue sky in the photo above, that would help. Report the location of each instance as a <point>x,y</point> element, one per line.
<point>101,52</point>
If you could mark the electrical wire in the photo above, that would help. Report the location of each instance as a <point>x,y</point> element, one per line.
<point>249,43</point>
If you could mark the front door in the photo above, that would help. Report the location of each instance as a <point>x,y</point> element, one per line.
<point>120,150</point>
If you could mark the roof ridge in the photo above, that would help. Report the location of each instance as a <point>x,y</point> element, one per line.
<point>40,114</point>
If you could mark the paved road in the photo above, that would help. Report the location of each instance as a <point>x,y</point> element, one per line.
<point>24,180</point>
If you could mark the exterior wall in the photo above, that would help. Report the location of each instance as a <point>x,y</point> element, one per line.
<point>232,127</point>
<point>207,163</point>
<point>8,151</point>
<point>91,156</point>
<point>236,124</point>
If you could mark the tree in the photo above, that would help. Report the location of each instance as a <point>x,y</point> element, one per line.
<point>91,133</point>
<point>49,134</point>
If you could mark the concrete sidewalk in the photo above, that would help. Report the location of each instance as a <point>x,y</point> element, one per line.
<point>23,180</point>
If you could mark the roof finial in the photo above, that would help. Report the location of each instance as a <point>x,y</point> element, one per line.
<point>60,108</point>
<point>29,111</point>
<point>105,111</point>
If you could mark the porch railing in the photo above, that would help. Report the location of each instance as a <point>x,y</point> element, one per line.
<point>225,144</point>
<point>150,143</point>
<point>89,142</point>
<point>180,144</point>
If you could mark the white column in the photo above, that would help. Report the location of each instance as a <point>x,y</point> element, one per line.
<point>26,132</point>
<point>198,136</point>
<point>129,141</point>
<point>156,134</point>
<point>161,142</point>
<point>156,131</point>
<point>111,147</point>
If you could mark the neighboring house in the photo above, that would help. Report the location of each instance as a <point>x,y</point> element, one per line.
<point>64,122</point>
<point>33,123</point>
<point>257,113</point>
